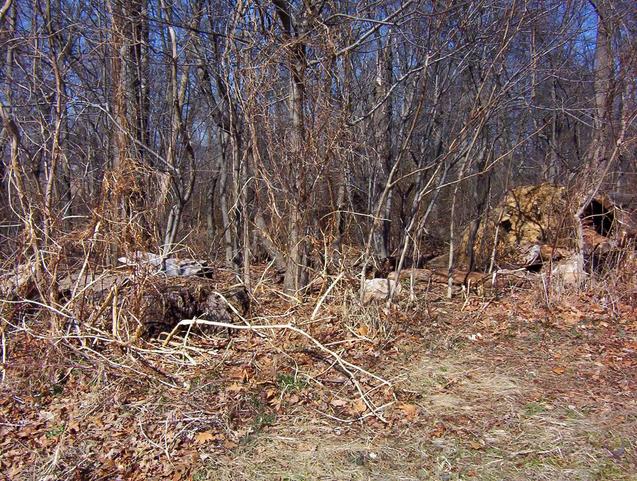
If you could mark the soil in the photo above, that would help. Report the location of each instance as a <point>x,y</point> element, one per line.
<point>518,387</point>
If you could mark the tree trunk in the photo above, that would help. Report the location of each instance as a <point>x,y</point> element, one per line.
<point>297,64</point>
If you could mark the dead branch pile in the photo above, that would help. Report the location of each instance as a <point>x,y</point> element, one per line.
<point>129,305</point>
<point>157,304</point>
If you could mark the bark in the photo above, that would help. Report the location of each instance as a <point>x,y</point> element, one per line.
<point>383,126</point>
<point>598,164</point>
<point>297,64</point>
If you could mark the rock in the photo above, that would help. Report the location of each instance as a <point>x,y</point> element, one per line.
<point>527,216</point>
<point>151,304</point>
<point>377,268</point>
<point>533,255</point>
<point>379,289</point>
<point>160,305</point>
<point>569,273</point>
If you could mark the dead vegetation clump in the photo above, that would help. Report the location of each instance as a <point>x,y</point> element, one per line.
<point>535,225</point>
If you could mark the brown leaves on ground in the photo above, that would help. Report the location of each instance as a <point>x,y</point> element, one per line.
<point>69,413</point>
<point>409,410</point>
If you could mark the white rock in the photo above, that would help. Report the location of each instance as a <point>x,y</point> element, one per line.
<point>533,254</point>
<point>378,289</point>
<point>569,272</point>
<point>141,258</point>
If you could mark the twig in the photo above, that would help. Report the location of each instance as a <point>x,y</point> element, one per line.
<point>342,363</point>
<point>324,296</point>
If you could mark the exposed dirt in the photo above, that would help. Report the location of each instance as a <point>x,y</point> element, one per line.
<point>484,389</point>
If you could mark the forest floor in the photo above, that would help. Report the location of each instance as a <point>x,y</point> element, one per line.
<point>507,388</point>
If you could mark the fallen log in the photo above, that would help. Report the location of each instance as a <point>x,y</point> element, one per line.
<point>499,279</point>
<point>458,277</point>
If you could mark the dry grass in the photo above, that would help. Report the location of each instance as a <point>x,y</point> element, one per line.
<point>477,421</point>
<point>537,395</point>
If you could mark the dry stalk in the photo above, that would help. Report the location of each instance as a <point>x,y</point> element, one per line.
<point>3,343</point>
<point>346,366</point>
<point>324,296</point>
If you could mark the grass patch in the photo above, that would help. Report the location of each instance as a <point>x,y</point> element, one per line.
<point>55,431</point>
<point>290,382</point>
<point>534,408</point>
<point>609,471</point>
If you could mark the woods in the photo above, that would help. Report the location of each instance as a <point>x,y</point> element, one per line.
<point>285,131</point>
